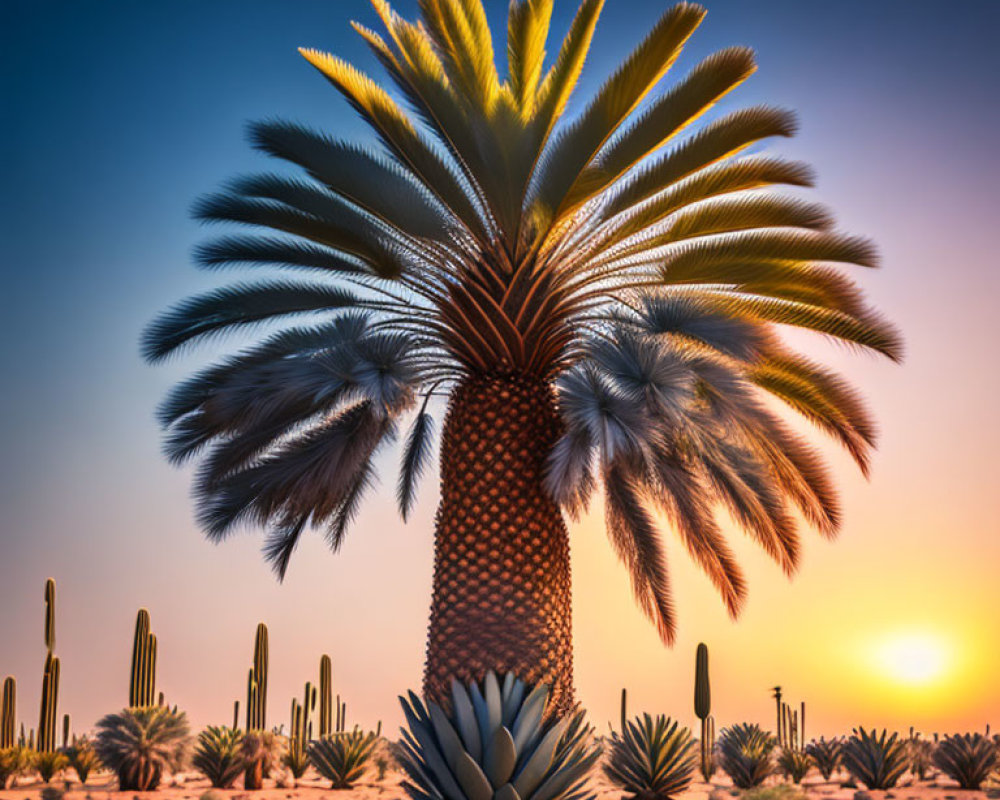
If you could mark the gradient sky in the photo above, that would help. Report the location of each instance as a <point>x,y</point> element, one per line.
<point>117,115</point>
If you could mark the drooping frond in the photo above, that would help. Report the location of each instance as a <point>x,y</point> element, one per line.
<point>635,259</point>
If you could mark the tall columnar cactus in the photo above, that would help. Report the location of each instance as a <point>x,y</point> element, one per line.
<point>703,710</point>
<point>624,711</point>
<point>65,731</point>
<point>46,739</point>
<point>236,715</point>
<point>8,713</point>
<point>257,683</point>
<point>142,678</point>
<point>777,701</point>
<point>325,697</point>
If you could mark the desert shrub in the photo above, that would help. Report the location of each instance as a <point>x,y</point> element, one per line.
<point>471,750</point>
<point>218,755</point>
<point>745,754</point>
<point>825,754</point>
<point>140,744</point>
<point>921,754</point>
<point>14,761</point>
<point>877,761</point>
<point>794,763</point>
<point>260,752</point>
<point>83,757</point>
<point>782,791</point>
<point>296,758</point>
<point>968,759</point>
<point>652,759</point>
<point>341,758</point>
<point>49,764</point>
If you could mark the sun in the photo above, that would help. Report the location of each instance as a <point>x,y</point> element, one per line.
<point>913,658</point>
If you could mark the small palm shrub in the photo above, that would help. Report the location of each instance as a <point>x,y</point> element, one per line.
<point>652,759</point>
<point>218,755</point>
<point>825,754</point>
<point>82,757</point>
<point>794,763</point>
<point>745,754</point>
<point>140,744</point>
<point>296,758</point>
<point>49,764</point>
<point>496,741</point>
<point>968,759</point>
<point>341,758</point>
<point>260,751</point>
<point>921,754</point>
<point>14,761</point>
<point>877,761</point>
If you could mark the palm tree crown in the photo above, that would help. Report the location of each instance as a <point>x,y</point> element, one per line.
<point>637,263</point>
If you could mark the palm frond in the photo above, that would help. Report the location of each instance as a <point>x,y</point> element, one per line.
<point>527,31</point>
<point>238,306</point>
<point>416,454</point>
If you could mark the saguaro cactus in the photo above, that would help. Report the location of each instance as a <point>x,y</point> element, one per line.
<point>325,697</point>
<point>66,726</point>
<point>46,739</point>
<point>624,710</point>
<point>703,710</point>
<point>257,683</point>
<point>142,680</point>
<point>777,701</point>
<point>8,713</point>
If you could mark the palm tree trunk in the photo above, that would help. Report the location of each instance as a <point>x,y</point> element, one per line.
<point>501,597</point>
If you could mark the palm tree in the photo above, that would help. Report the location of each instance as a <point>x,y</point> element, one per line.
<point>597,301</point>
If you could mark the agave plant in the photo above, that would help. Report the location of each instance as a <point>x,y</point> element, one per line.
<point>921,754</point>
<point>497,741</point>
<point>49,764</point>
<point>794,763</point>
<point>219,755</point>
<point>140,744</point>
<point>260,751</point>
<point>652,759</point>
<point>968,758</point>
<point>825,754</point>
<point>14,761</point>
<point>745,752</point>
<point>597,300</point>
<point>877,760</point>
<point>342,758</point>
<point>82,757</point>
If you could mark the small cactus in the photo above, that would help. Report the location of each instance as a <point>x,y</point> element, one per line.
<point>257,683</point>
<point>142,679</point>
<point>46,740</point>
<point>703,710</point>
<point>325,697</point>
<point>8,713</point>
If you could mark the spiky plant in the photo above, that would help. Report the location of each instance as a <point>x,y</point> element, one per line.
<point>745,754</point>
<point>596,300</point>
<point>14,761</point>
<point>296,759</point>
<point>921,754</point>
<point>140,744</point>
<point>825,754</point>
<point>967,758</point>
<point>652,759</point>
<point>498,740</point>
<point>50,763</point>
<point>83,757</point>
<point>794,763</point>
<point>877,760</point>
<point>342,758</point>
<point>260,751</point>
<point>218,755</point>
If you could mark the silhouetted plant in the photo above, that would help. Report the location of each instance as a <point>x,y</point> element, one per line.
<point>652,759</point>
<point>921,754</point>
<point>140,744</point>
<point>83,757</point>
<point>341,758</point>
<point>968,758</point>
<point>218,755</point>
<point>14,761</point>
<point>825,754</point>
<point>745,754</point>
<point>876,760</point>
<point>472,750</point>
<point>794,763</point>
<point>49,764</point>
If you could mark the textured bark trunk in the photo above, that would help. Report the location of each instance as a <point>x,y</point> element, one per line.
<point>501,597</point>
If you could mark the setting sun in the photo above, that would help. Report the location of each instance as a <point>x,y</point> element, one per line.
<point>913,658</point>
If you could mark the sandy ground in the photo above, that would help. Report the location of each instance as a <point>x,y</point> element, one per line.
<point>191,786</point>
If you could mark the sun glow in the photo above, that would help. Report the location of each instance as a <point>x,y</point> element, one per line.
<point>913,658</point>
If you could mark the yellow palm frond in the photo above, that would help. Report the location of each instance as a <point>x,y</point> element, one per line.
<point>527,30</point>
